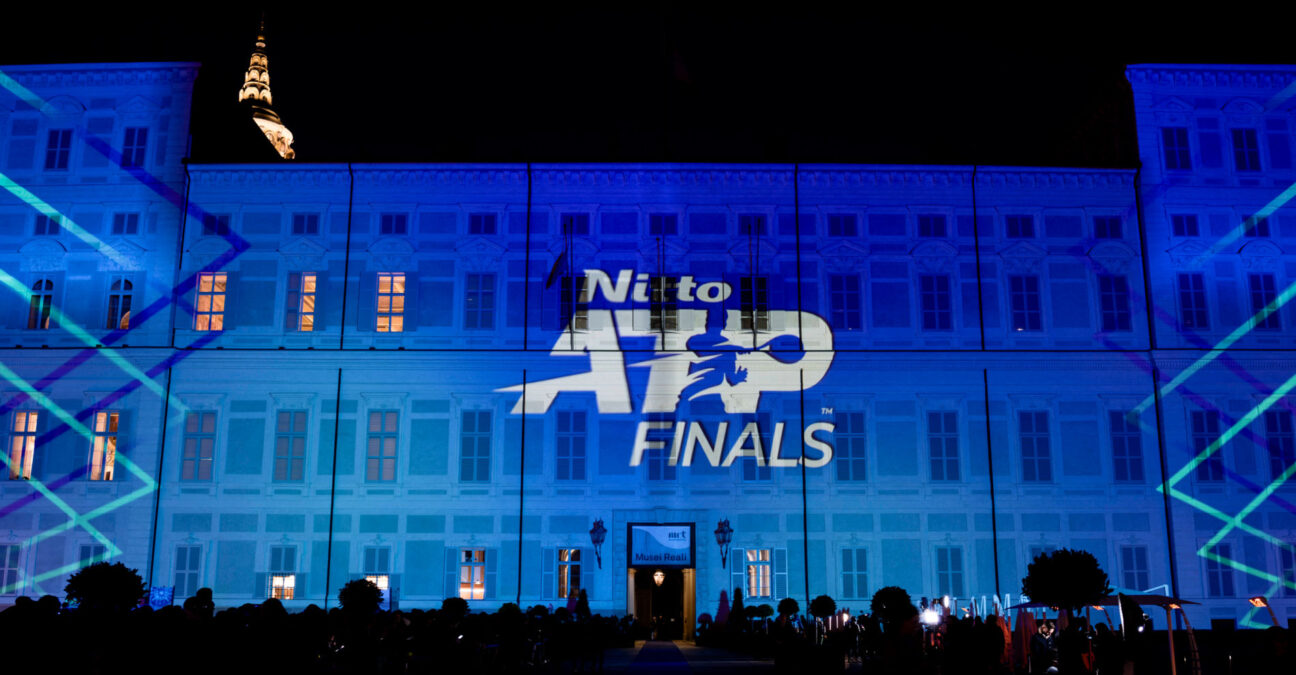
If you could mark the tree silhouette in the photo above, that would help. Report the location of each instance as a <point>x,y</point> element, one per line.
<point>892,605</point>
<point>1066,578</point>
<point>823,607</point>
<point>360,596</point>
<point>105,588</point>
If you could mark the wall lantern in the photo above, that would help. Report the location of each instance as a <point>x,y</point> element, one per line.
<point>598,534</point>
<point>658,577</point>
<point>724,536</point>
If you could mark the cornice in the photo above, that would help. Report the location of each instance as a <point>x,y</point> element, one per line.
<point>1267,78</point>
<point>102,75</point>
<point>248,176</point>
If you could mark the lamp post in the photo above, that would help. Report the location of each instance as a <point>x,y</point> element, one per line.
<point>598,534</point>
<point>724,536</point>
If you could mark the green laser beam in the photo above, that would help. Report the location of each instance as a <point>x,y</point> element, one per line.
<point>64,221</point>
<point>1255,503</point>
<point>26,95</point>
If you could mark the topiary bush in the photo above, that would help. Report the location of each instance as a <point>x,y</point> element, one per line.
<point>823,607</point>
<point>892,605</point>
<point>789,607</point>
<point>454,608</point>
<point>360,596</point>
<point>105,588</point>
<point>1066,578</point>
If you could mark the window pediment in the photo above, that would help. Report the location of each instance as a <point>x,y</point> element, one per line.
<point>934,256</point>
<point>1188,255</point>
<point>1112,257</point>
<point>1260,255</point>
<point>303,253</point>
<point>121,255</point>
<point>206,250</point>
<point>391,253</point>
<point>43,255</point>
<point>1023,257</point>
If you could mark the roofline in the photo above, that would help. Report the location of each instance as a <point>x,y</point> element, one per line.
<point>118,65</point>
<point>650,166</point>
<point>1220,67</point>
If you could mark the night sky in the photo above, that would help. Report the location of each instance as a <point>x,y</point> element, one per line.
<point>670,82</point>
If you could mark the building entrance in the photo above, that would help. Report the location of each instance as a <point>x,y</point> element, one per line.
<point>661,606</point>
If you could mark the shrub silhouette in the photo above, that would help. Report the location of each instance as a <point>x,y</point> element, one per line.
<point>360,596</point>
<point>892,605</point>
<point>105,588</point>
<point>454,608</point>
<point>1066,578</point>
<point>823,607</point>
<point>789,607</point>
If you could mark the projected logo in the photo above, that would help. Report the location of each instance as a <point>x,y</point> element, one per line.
<point>734,355</point>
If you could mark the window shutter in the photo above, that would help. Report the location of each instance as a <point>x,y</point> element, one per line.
<point>299,587</point>
<point>780,574</point>
<point>293,302</point>
<point>587,572</point>
<point>492,561</point>
<point>261,586</point>
<point>367,302</point>
<point>1280,151</point>
<point>393,586</point>
<point>737,572</point>
<point>548,580</point>
<point>43,467</point>
<point>847,572</point>
<point>411,301</point>
<point>451,589</point>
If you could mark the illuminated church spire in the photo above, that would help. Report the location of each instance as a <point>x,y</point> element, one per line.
<point>255,92</point>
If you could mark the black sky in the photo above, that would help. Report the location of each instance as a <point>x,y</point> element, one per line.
<point>696,82</point>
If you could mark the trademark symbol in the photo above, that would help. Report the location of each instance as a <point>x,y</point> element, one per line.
<point>825,411</point>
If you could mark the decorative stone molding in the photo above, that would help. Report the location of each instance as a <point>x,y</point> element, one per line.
<point>1023,258</point>
<point>843,256</point>
<point>304,253</point>
<point>1112,257</point>
<point>129,256</point>
<point>742,252</point>
<point>1188,255</point>
<point>391,253</point>
<point>205,251</point>
<point>203,402</point>
<point>1260,256</point>
<point>42,255</point>
<point>293,401</point>
<point>1235,77</point>
<point>383,401</point>
<point>103,75</point>
<point>934,256</point>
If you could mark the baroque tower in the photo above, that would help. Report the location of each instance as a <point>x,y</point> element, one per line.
<point>255,93</point>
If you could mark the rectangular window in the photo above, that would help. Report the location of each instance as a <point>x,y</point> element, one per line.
<point>855,573</point>
<point>120,294</point>
<point>1205,430</point>
<point>1114,298</point>
<point>290,446</point>
<point>209,312</point>
<point>852,446</point>
<point>377,566</point>
<point>1024,299</point>
<point>1246,150</point>
<point>1287,569</point>
<point>1020,227</point>
<point>931,226</point>
<point>300,307</point>
<point>215,225</point>
<point>1255,226</point>
<point>752,225</point>
<point>753,299</point>
<point>46,226</point>
<point>199,446</point>
<point>380,460</point>
<point>481,223</point>
<point>125,223</point>
<point>188,561</point>
<point>949,570</point>
<point>1127,447</point>
<point>475,446</point>
<point>936,304</point>
<point>1184,225</point>
<point>1134,568</point>
<point>134,147</point>
<point>90,554</point>
<point>574,311</point>
<point>1174,147</point>
<point>943,444</point>
<point>570,450</point>
<point>664,306</point>
<point>58,149</point>
<point>472,573</point>
<point>1219,575</point>
<point>844,301</point>
<point>842,225</point>
<point>1279,441</point>
<point>569,571</point>
<point>393,223</point>
<point>1192,302</point>
<point>575,224</point>
<point>9,569</point>
<point>479,301</point>
<point>663,224</point>
<point>22,444</point>
<point>391,303</point>
<point>658,462</point>
<point>283,572</point>
<point>760,573</point>
<point>1263,293</point>
<point>1107,227</point>
<point>41,305</point>
<point>1037,460</point>
<point>305,224</point>
<point>103,445</point>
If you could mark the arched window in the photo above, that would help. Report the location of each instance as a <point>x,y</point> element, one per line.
<point>119,304</point>
<point>42,300</point>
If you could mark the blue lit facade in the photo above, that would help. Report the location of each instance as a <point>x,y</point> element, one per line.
<point>331,371</point>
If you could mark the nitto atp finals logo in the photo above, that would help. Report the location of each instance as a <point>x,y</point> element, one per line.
<point>734,354</point>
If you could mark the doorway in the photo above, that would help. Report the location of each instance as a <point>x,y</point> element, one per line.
<point>661,608</point>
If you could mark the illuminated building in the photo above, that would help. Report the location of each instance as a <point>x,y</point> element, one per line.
<point>344,369</point>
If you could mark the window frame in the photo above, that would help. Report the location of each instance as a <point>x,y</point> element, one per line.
<point>389,304</point>
<point>41,304</point>
<point>125,224</point>
<point>1114,307</point>
<point>304,224</point>
<point>758,570</point>
<point>290,446</point>
<point>1280,442</point>
<point>1025,304</point>
<point>1219,578</point>
<point>134,147</point>
<point>204,454</point>
<point>58,149</point>
<point>935,306</point>
<point>1194,304</point>
<point>571,445</point>
<point>191,553</point>
<point>482,444</point>
<point>844,314</point>
<point>1038,454</point>
<point>1185,225</point>
<point>1261,295</point>
<point>950,577</point>
<point>472,573</point>
<point>47,226</point>
<point>1019,226</point>
<point>567,572</point>
<point>376,562</point>
<point>1134,567</point>
<point>480,291</point>
<point>1175,143</point>
<point>382,445</point>
<point>753,303</point>
<point>854,566</point>
<point>11,569</point>
<point>1126,440</point>
<point>852,445</point>
<point>948,441</point>
<point>301,303</point>
<point>1246,155</point>
<point>393,224</point>
<point>24,427</point>
<point>121,295</point>
<point>483,224</point>
<point>105,429</point>
<point>281,575</point>
<point>1210,470</point>
<point>210,301</point>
